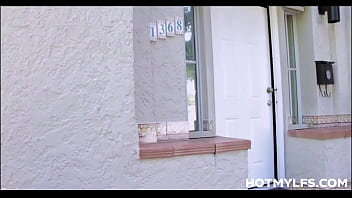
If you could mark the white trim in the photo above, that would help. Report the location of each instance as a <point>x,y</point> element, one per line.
<point>298,126</point>
<point>191,62</point>
<point>294,9</point>
<point>280,133</point>
<point>298,76</point>
<point>199,74</point>
<point>201,134</point>
<point>287,52</point>
<point>297,67</point>
<point>196,64</point>
<point>198,68</point>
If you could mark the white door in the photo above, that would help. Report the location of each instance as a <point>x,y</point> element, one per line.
<point>241,61</point>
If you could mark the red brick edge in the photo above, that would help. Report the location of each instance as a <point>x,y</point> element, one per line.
<point>322,133</point>
<point>171,148</point>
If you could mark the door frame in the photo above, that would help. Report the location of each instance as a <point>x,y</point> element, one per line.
<point>277,96</point>
<point>278,133</point>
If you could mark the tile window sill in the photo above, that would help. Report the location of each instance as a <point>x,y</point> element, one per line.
<point>322,133</point>
<point>172,148</point>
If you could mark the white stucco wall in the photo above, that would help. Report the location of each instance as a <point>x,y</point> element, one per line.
<point>320,40</point>
<point>207,171</point>
<point>160,69</point>
<point>68,111</point>
<point>306,158</point>
<point>67,104</point>
<point>340,38</point>
<point>306,65</point>
<point>318,159</point>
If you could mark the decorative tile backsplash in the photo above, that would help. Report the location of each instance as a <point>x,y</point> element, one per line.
<point>147,132</point>
<point>160,128</point>
<point>153,132</point>
<point>341,124</point>
<point>208,125</point>
<point>173,128</point>
<point>327,119</point>
<point>292,120</point>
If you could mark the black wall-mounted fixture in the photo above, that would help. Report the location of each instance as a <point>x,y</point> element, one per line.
<point>333,13</point>
<point>325,76</point>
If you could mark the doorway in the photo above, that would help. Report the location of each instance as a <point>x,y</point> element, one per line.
<point>242,83</point>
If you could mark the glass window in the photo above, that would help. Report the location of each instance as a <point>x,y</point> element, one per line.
<point>189,33</point>
<point>292,70</point>
<point>199,95</point>
<point>192,97</point>
<point>191,63</point>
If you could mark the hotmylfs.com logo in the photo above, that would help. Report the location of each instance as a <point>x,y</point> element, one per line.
<point>308,182</point>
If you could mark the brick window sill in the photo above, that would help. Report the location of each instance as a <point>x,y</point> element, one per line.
<point>322,133</point>
<point>172,148</point>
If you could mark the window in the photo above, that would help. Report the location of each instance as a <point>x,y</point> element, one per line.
<point>200,98</point>
<point>191,65</point>
<point>293,70</point>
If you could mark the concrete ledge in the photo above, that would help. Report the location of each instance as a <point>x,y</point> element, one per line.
<point>322,133</point>
<point>173,148</point>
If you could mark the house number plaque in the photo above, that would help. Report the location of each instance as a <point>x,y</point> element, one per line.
<point>161,29</point>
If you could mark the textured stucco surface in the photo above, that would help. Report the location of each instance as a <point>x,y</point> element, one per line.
<point>320,40</point>
<point>207,171</point>
<point>340,35</point>
<point>67,105</point>
<point>305,41</point>
<point>318,159</point>
<point>160,69</point>
<point>68,111</point>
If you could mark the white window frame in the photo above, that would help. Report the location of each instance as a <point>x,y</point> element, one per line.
<point>297,68</point>
<point>199,71</point>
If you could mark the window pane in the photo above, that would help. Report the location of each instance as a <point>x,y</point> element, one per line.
<point>200,94</point>
<point>192,97</point>
<point>291,41</point>
<point>189,33</point>
<point>293,93</point>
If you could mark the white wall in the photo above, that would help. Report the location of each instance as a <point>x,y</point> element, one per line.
<point>322,51</point>
<point>316,40</point>
<point>305,37</point>
<point>340,42</point>
<point>320,40</point>
<point>67,104</point>
<point>68,111</point>
<point>318,159</point>
<point>160,69</point>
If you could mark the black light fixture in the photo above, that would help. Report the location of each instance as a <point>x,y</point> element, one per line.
<point>333,13</point>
